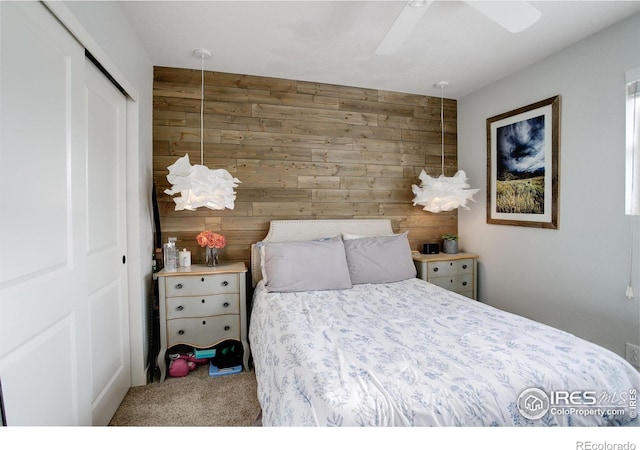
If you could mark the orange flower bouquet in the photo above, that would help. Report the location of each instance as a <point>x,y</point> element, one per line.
<point>210,239</point>
<point>211,242</point>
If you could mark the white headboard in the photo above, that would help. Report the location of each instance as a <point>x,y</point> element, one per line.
<point>306,230</point>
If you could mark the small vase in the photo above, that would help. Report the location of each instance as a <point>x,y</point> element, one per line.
<point>211,256</point>
<point>450,246</point>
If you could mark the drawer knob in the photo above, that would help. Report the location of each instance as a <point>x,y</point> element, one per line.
<point>202,300</point>
<point>180,308</point>
<point>202,279</point>
<point>227,328</point>
<point>226,304</point>
<point>204,322</point>
<point>181,332</point>
<point>464,283</point>
<point>464,266</point>
<point>179,286</point>
<point>225,283</point>
<point>435,269</point>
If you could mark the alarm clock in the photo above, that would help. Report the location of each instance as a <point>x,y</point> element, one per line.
<point>431,249</point>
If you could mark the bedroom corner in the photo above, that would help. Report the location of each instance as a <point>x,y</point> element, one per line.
<point>575,277</point>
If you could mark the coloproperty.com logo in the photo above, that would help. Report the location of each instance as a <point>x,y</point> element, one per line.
<point>534,403</point>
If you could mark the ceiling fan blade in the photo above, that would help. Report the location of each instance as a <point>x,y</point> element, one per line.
<point>515,16</point>
<point>402,26</point>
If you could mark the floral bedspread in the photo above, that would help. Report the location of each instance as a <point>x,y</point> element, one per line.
<point>413,354</point>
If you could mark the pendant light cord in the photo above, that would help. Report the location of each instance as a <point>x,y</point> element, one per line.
<point>202,111</point>
<point>442,124</point>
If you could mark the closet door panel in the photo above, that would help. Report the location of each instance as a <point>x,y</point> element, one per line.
<point>36,172</point>
<point>106,244</point>
<point>43,309</point>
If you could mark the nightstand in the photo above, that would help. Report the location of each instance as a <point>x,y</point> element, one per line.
<point>202,306</point>
<point>455,272</point>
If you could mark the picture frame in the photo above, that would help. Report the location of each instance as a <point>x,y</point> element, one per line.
<point>522,165</point>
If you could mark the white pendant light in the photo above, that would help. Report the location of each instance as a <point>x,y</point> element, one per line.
<point>198,185</point>
<point>442,193</point>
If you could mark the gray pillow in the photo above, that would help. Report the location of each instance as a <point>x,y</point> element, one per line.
<point>306,266</point>
<point>380,259</point>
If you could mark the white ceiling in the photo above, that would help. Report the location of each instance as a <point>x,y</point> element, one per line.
<point>335,41</point>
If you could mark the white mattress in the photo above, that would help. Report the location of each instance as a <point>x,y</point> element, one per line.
<point>413,354</point>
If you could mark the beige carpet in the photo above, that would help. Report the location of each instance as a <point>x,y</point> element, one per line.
<point>194,400</point>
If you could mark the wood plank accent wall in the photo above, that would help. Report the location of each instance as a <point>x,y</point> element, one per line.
<point>302,150</point>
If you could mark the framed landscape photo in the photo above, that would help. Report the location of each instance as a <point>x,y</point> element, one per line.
<point>522,165</point>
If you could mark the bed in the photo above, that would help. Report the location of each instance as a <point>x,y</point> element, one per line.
<point>343,335</point>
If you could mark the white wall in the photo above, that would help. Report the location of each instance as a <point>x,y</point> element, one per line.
<point>111,30</point>
<point>573,278</point>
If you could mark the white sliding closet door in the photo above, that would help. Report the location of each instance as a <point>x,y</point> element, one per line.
<point>44,326</point>
<point>106,244</point>
<point>63,308</point>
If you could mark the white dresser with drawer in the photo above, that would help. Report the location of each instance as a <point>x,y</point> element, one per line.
<point>456,272</point>
<point>202,306</point>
